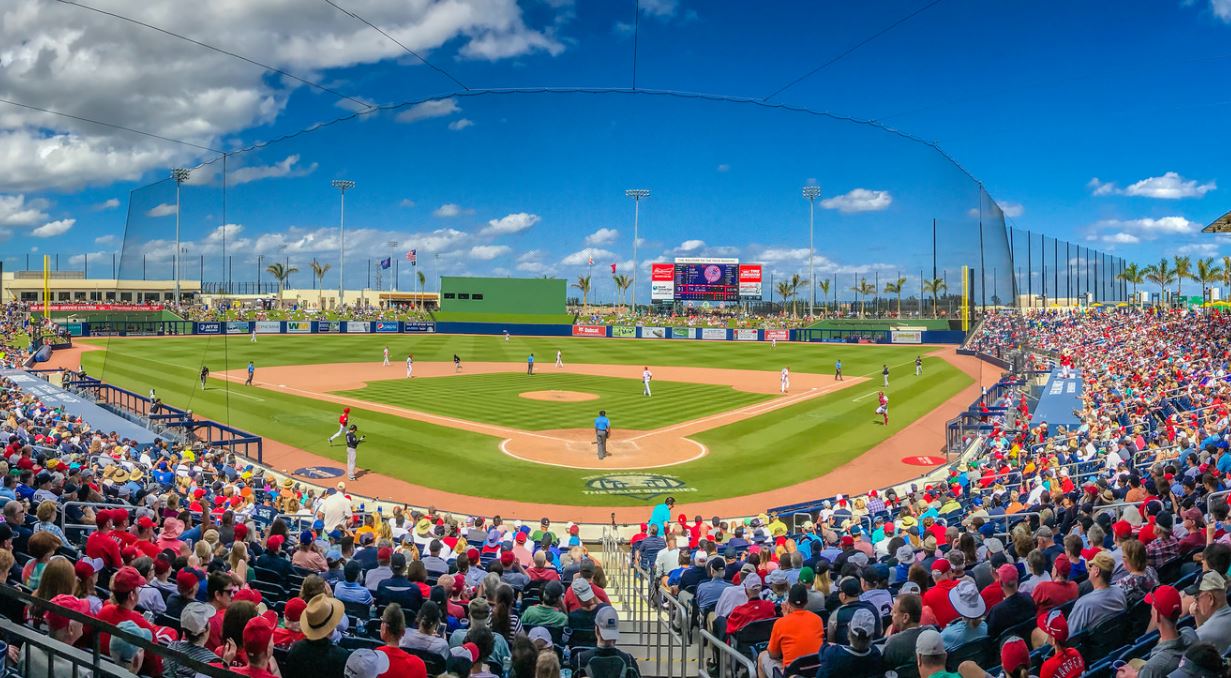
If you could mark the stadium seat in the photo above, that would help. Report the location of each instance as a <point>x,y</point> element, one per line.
<point>979,651</point>
<point>434,662</point>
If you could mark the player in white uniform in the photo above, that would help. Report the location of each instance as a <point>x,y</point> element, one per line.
<point>646,376</point>
<point>784,381</point>
<point>386,363</point>
<point>559,359</point>
<point>253,340</point>
<point>410,366</point>
<point>773,343</point>
<point>506,335</point>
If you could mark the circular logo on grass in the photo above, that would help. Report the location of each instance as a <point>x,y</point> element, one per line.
<point>635,485</point>
<point>317,472</point>
<point>923,460</point>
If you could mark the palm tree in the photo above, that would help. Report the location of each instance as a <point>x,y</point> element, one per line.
<point>796,283</point>
<point>934,287</point>
<point>281,273</point>
<point>785,291</point>
<point>622,283</point>
<point>422,284</point>
<point>1226,277</point>
<point>1133,275</point>
<point>318,273</point>
<point>862,290</point>
<point>583,285</point>
<point>895,287</point>
<point>1183,270</point>
<point>1208,273</point>
<point>824,285</point>
<point>1160,274</point>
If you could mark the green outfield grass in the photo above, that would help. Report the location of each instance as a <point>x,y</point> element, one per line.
<point>780,448</point>
<point>495,399</point>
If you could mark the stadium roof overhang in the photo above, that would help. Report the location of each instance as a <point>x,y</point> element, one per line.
<point>1220,225</point>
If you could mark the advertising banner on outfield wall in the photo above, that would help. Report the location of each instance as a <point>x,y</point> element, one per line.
<point>268,327</point>
<point>681,333</point>
<point>750,282</point>
<point>237,327</point>
<point>777,335</point>
<point>712,333</point>
<point>745,335</point>
<point>209,328</point>
<point>299,326</point>
<point>654,333</point>
<point>387,326</point>
<point>418,326</point>
<point>906,336</point>
<point>589,330</point>
<point>623,331</point>
<point>357,328</point>
<point>328,326</point>
<point>662,282</point>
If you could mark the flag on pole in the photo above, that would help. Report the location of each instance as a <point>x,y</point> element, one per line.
<point>591,260</point>
<point>386,262</point>
<point>410,256</point>
<point>613,269</point>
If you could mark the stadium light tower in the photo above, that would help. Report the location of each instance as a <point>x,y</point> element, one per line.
<point>343,185</point>
<point>811,193</point>
<point>179,175</point>
<point>636,194</point>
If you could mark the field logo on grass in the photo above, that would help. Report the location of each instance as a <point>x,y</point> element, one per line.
<point>653,333</point>
<point>642,486</point>
<point>681,333</point>
<point>623,331</point>
<point>745,335</point>
<point>317,472</point>
<point>299,326</point>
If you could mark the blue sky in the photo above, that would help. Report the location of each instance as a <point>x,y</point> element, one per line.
<point>1098,124</point>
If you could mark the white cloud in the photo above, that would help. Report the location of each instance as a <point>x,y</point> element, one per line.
<point>1120,238</point>
<point>108,204</point>
<point>602,236</point>
<point>775,255</point>
<point>1012,209</point>
<point>53,228</point>
<point>105,239</point>
<point>436,108</point>
<point>461,124</point>
<point>1202,249</point>
<point>724,167</point>
<point>80,259</point>
<point>489,252</point>
<point>406,202</point>
<point>1222,9</point>
<point>660,8</point>
<point>165,209</point>
<point>509,224</point>
<point>531,262</point>
<point>1170,186</point>
<point>88,64</point>
<point>859,200</point>
<point>284,169</point>
<point>451,209</point>
<point>15,210</point>
<point>1148,228</point>
<point>582,257</point>
<point>690,246</point>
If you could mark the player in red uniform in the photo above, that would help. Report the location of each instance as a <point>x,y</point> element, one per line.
<point>343,421</point>
<point>883,410</point>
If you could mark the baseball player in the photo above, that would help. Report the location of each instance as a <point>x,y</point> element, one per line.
<point>251,371</point>
<point>204,375</point>
<point>353,440</point>
<point>530,364</point>
<point>883,410</point>
<point>410,366</point>
<point>784,381</point>
<point>773,343</point>
<point>342,422</point>
<point>506,335</point>
<point>457,363</point>
<point>918,366</point>
<point>253,340</point>
<point>559,359</point>
<point>837,370</point>
<point>646,376</point>
<point>884,375</point>
<point>386,363</point>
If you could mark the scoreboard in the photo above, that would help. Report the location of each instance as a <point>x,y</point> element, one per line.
<point>703,279</point>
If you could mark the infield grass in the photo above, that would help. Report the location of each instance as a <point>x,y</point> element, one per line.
<point>780,448</point>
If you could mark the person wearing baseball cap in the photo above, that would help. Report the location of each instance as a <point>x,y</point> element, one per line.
<point>797,633</point>
<point>122,607</point>
<point>1058,591</point>
<point>850,595</point>
<point>859,657</point>
<point>930,655</point>
<point>754,607</point>
<point>1165,610</point>
<point>937,597</point>
<point>124,653</point>
<point>194,624</point>
<point>36,661</point>
<point>607,634</point>
<point>1065,662</point>
<point>273,558</point>
<point>1210,608</point>
<point>1013,608</point>
<point>1104,601</point>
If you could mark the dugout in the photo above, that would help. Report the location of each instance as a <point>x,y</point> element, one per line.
<point>477,299</point>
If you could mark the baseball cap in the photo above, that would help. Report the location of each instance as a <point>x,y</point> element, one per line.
<point>540,634</point>
<point>384,553</point>
<point>294,609</point>
<point>775,577</point>
<point>124,651</point>
<point>1121,529</point>
<point>1062,564</point>
<point>127,579</point>
<point>904,554</point>
<point>752,582</point>
<point>1014,654</point>
<point>1054,624</point>
<point>257,634</point>
<point>798,597</point>
<point>78,605</point>
<point>940,565</point>
<point>607,624</point>
<point>862,624</point>
<point>1166,600</point>
<point>195,616</point>
<point>1201,660</point>
<point>929,643</point>
<point>365,663</point>
<point>507,558</point>
<point>583,590</point>
<point>850,586</point>
<point>398,561</point>
<point>1208,581</point>
<point>274,542</point>
<point>993,544</point>
<point>186,578</point>
<point>1007,573</point>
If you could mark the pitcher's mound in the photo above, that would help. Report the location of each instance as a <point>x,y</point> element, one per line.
<point>558,396</point>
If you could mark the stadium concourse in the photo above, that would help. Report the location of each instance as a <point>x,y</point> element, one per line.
<point>1045,552</point>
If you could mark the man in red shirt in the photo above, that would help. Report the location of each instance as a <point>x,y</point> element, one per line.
<point>937,597</point>
<point>396,662</point>
<point>100,544</point>
<point>342,423</point>
<point>1065,662</point>
<point>258,645</point>
<point>287,635</point>
<point>1058,591</point>
<point>121,607</point>
<point>755,609</point>
<point>221,591</point>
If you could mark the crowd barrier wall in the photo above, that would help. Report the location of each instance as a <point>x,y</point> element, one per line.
<point>240,327</point>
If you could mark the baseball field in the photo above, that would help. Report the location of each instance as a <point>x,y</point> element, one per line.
<point>717,425</point>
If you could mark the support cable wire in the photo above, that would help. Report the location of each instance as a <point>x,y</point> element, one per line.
<point>397,42</point>
<point>108,124</point>
<point>279,71</point>
<point>848,51</point>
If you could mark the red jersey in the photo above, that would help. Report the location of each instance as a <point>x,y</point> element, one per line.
<point>402,664</point>
<point>1066,664</point>
<point>101,545</point>
<point>344,419</point>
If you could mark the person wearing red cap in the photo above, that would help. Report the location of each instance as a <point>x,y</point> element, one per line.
<point>1013,608</point>
<point>100,544</point>
<point>35,660</point>
<point>512,573</point>
<point>1165,611</point>
<point>1052,594</point>
<point>937,597</point>
<point>343,420</point>
<point>258,647</point>
<point>288,634</point>
<point>1065,662</point>
<point>186,584</point>
<point>144,542</point>
<point>122,607</point>
<point>272,558</point>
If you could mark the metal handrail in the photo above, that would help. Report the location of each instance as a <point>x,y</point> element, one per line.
<point>726,654</point>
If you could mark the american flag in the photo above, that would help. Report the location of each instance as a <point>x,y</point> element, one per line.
<point>410,256</point>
